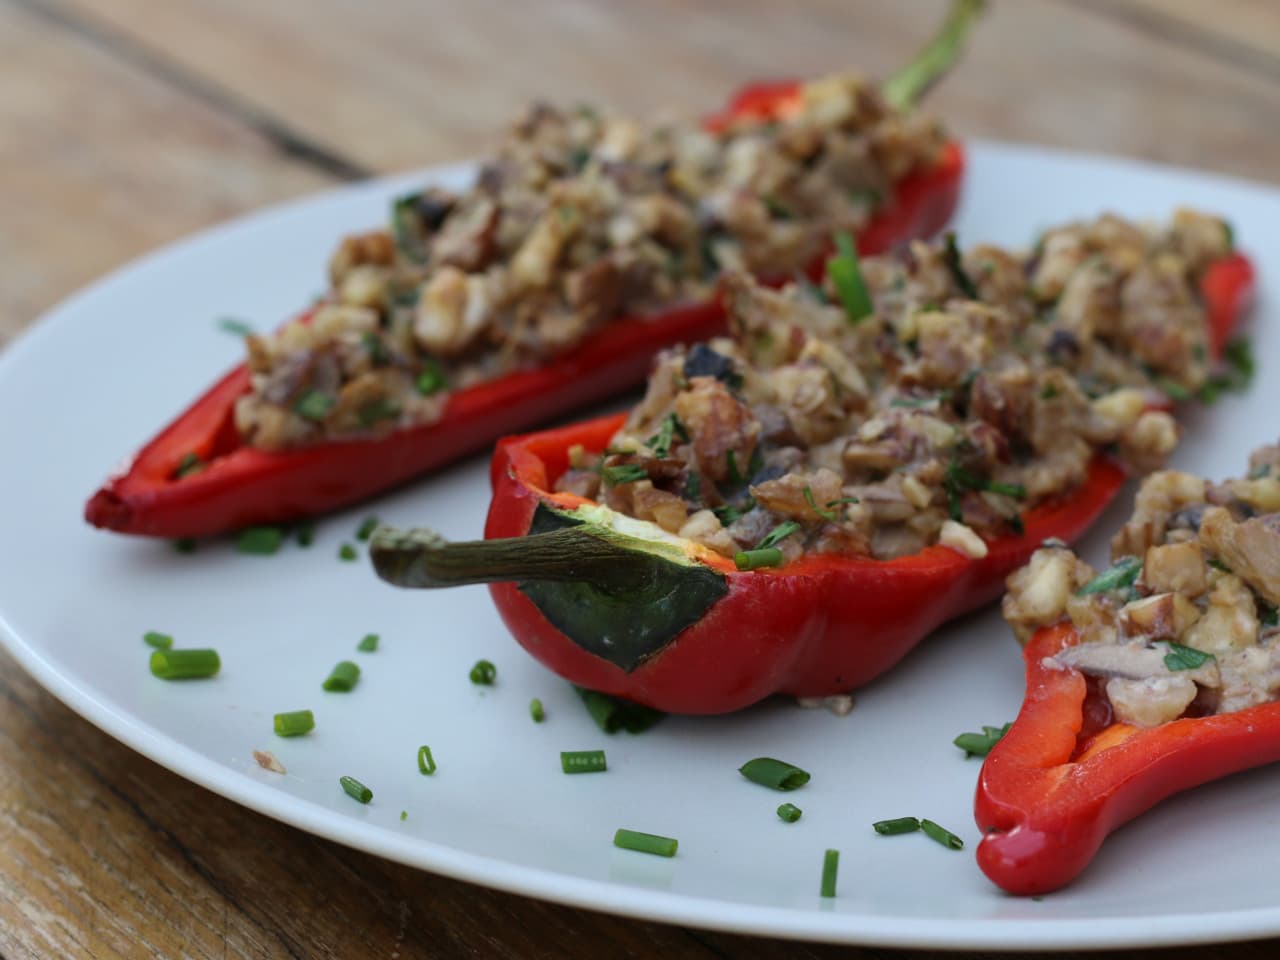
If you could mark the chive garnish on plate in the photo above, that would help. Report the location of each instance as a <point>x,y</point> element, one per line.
<point>775,774</point>
<point>293,723</point>
<point>980,744</point>
<point>941,835</point>
<point>368,643</point>
<point>536,711</point>
<point>899,825</point>
<point>755,559</point>
<point>582,761</point>
<point>484,673</point>
<point>845,274</point>
<point>355,789</point>
<point>1121,574</point>
<point>262,541</point>
<point>830,867</point>
<point>184,664</point>
<point>645,842</point>
<point>426,762</point>
<point>347,553</point>
<point>161,641</point>
<point>343,677</point>
<point>367,526</point>
<point>1182,657</point>
<point>612,714</point>
<point>789,812</point>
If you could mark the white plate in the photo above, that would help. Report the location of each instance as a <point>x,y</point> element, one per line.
<point>109,366</point>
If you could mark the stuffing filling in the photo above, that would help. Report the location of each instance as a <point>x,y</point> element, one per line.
<point>579,219</point>
<point>1184,623</point>
<point>974,387</point>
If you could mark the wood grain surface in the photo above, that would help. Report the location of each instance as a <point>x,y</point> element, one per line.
<point>125,124</point>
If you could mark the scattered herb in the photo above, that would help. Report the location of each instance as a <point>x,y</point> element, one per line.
<point>184,664</point>
<point>314,405</point>
<point>830,867</point>
<point>368,643</point>
<point>536,711</point>
<point>671,428</point>
<point>778,534</point>
<point>375,348</point>
<point>941,835</point>
<point>375,411</point>
<point>892,828</point>
<point>347,553</point>
<point>189,464</point>
<point>367,526</point>
<point>582,761</point>
<point>645,843</point>
<point>824,514</point>
<point>1122,574</point>
<point>1267,615</point>
<point>755,559</point>
<point>355,789</point>
<point>306,533</point>
<point>293,723</point>
<point>484,673</point>
<point>955,264</point>
<point>624,473</point>
<point>789,812</point>
<point>235,326</point>
<point>1236,373</point>
<point>404,815</point>
<point>693,487</point>
<point>612,714</point>
<point>980,744</point>
<point>846,276</point>
<point>426,762</point>
<point>840,501</point>
<point>775,774</point>
<point>161,641</point>
<point>431,379</point>
<point>263,541</point>
<point>1185,658</point>
<point>343,677</point>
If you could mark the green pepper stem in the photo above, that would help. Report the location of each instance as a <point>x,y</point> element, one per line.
<point>423,559</point>
<point>908,86</point>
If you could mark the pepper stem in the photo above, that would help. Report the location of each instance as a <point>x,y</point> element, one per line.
<point>908,86</point>
<point>424,559</point>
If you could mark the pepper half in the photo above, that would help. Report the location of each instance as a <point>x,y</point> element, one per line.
<point>241,485</point>
<point>618,605</point>
<point>1052,789</point>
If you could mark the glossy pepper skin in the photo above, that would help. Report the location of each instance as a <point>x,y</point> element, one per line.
<point>1056,784</point>
<point>243,486</point>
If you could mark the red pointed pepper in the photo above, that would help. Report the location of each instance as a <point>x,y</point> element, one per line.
<point>241,485</point>
<point>1054,786</point>
<point>697,635</point>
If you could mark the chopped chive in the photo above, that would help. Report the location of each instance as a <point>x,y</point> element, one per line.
<point>184,664</point>
<point>262,541</point>
<point>824,514</point>
<point>980,744</point>
<point>693,488</point>
<point>734,475</point>
<point>234,326</point>
<point>431,380</point>
<point>624,473</point>
<point>645,842</point>
<point>484,673</point>
<point>185,545</point>
<point>1122,574</point>
<point>1015,490</point>
<point>347,552</point>
<point>536,711</point>
<point>306,533</point>
<point>426,762</point>
<point>1185,658</point>
<point>161,641</point>
<point>846,277</point>
<point>941,835</point>
<point>892,828</point>
<point>778,534</point>
<point>612,714</point>
<point>375,411</point>
<point>342,678</point>
<point>367,526</point>
<point>951,256</point>
<point>404,815</point>
<point>314,405</point>
<point>294,723</point>
<point>189,463</point>
<point>755,559</point>
<point>368,644</point>
<point>776,774</point>
<point>840,501</point>
<point>582,761</point>
<point>355,789</point>
<point>830,867</point>
<point>789,812</point>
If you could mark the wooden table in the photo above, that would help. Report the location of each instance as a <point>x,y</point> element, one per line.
<point>125,124</point>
